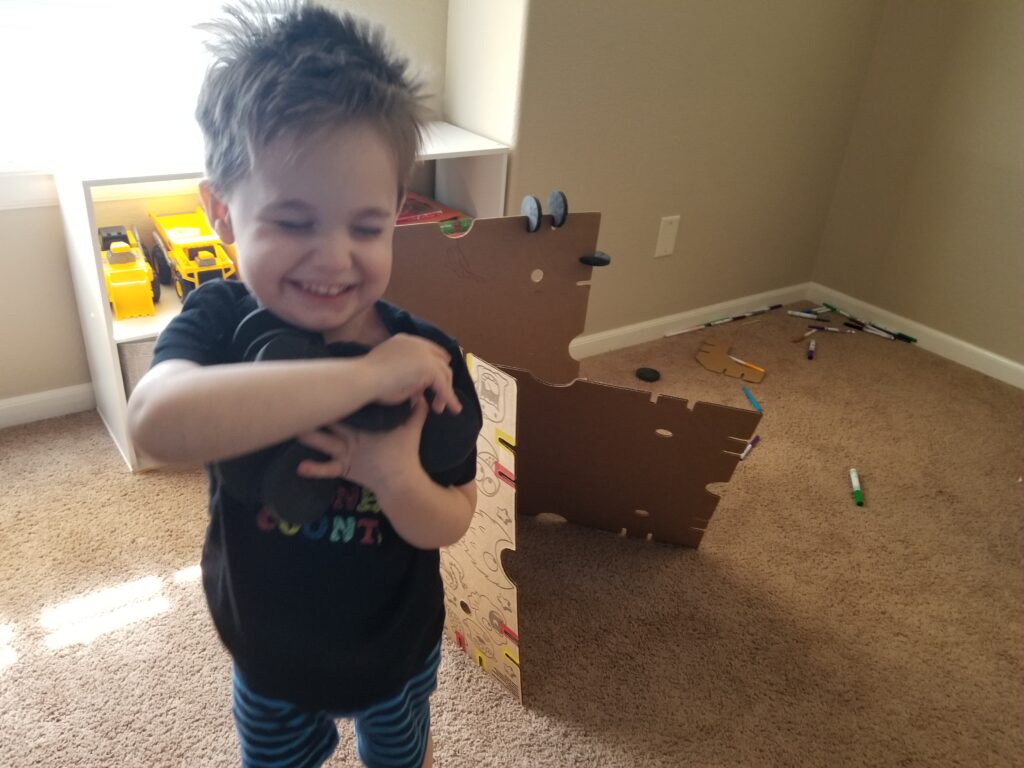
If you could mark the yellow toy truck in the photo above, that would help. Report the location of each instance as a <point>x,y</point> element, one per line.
<point>188,251</point>
<point>132,282</point>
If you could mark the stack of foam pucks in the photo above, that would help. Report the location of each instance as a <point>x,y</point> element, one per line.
<point>270,476</point>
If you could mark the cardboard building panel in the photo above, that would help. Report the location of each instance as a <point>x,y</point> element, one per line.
<point>609,458</point>
<point>511,296</point>
<point>598,455</point>
<point>482,613</point>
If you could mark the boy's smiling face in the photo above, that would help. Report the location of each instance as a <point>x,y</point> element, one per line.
<point>313,222</point>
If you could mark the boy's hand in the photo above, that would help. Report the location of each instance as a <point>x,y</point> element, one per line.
<point>405,366</point>
<point>371,459</point>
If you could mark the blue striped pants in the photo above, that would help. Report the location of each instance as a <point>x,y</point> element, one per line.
<point>390,734</point>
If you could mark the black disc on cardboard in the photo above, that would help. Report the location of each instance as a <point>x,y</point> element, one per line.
<point>531,210</point>
<point>598,259</point>
<point>647,374</point>
<point>558,207</point>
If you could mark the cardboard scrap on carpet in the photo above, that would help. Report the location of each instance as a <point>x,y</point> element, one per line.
<point>714,355</point>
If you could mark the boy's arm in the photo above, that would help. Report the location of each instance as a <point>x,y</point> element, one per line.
<point>181,411</point>
<point>425,514</point>
<point>185,412</point>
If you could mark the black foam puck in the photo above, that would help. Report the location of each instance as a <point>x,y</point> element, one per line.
<point>647,374</point>
<point>558,207</point>
<point>598,259</point>
<point>531,210</point>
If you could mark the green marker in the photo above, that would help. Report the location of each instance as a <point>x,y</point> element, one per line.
<point>858,495</point>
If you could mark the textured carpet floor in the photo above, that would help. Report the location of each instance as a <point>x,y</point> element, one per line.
<point>804,632</point>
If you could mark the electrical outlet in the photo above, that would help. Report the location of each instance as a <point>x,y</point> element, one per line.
<point>667,236</point>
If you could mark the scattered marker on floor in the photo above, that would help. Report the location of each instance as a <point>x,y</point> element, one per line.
<point>810,349</point>
<point>753,402</point>
<point>748,365</point>
<point>750,446</point>
<point>858,495</point>
<point>804,314</point>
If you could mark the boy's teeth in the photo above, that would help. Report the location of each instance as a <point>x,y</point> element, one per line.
<point>324,290</point>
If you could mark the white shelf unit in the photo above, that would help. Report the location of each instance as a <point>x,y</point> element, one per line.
<point>470,173</point>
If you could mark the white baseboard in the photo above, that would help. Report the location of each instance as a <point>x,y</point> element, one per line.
<point>46,405</point>
<point>942,344</point>
<point>649,330</point>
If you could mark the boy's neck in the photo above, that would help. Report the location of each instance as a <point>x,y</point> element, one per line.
<point>368,329</point>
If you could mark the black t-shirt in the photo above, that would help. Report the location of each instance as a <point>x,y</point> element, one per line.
<point>334,615</point>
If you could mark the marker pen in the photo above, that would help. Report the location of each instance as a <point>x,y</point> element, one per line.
<point>830,329</point>
<point>883,334</point>
<point>753,402</point>
<point>837,309</point>
<point>801,338</point>
<point>746,451</point>
<point>805,315</point>
<point>719,321</point>
<point>810,349</point>
<point>894,334</point>
<point>744,362</point>
<point>858,495</point>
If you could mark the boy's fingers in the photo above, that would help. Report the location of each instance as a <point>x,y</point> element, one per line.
<point>310,468</point>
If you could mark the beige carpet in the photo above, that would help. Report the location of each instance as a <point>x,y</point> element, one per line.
<point>804,632</point>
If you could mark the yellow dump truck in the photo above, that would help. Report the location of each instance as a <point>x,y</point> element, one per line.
<point>132,282</point>
<point>188,251</point>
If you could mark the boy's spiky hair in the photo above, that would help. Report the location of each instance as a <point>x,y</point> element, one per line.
<point>293,68</point>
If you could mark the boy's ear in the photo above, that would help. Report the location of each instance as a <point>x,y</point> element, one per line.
<point>217,212</point>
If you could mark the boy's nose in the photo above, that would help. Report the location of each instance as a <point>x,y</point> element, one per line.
<point>337,250</point>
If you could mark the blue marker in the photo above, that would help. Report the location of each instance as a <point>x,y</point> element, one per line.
<point>753,402</point>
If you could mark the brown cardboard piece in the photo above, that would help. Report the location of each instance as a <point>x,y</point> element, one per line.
<point>714,355</point>
<point>598,455</point>
<point>632,466</point>
<point>483,288</point>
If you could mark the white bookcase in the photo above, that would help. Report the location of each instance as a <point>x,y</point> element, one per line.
<point>470,173</point>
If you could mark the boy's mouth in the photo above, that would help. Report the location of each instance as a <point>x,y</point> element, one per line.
<point>324,290</point>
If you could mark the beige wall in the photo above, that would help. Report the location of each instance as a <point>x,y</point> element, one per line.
<point>733,114</point>
<point>928,215</point>
<point>418,31</point>
<point>41,344</point>
<point>737,115</point>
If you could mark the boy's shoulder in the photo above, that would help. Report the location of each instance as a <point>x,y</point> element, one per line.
<point>203,330</point>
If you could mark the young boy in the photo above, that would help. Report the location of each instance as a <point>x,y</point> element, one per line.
<point>311,131</point>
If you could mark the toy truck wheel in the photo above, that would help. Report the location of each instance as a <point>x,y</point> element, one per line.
<point>182,287</point>
<point>154,264</point>
<point>160,263</point>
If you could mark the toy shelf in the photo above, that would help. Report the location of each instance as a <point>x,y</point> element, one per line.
<point>470,174</point>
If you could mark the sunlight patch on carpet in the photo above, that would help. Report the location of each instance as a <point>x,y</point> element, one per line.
<point>83,619</point>
<point>186,575</point>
